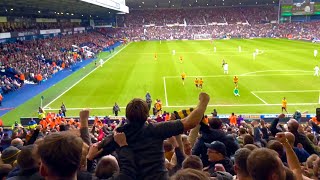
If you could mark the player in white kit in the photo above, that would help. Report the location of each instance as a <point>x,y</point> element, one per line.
<point>226,68</point>
<point>316,70</point>
<point>315,53</point>
<point>173,52</point>
<point>101,62</point>
<point>214,49</point>
<point>239,49</point>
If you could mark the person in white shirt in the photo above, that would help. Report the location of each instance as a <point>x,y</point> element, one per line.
<point>315,53</point>
<point>214,49</point>
<point>226,68</point>
<point>316,71</point>
<point>173,52</point>
<point>101,62</point>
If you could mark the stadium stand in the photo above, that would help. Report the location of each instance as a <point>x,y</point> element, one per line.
<point>177,145</point>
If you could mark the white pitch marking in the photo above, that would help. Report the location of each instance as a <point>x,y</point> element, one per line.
<point>273,71</point>
<point>165,91</point>
<point>85,77</point>
<point>289,91</point>
<point>250,75</point>
<point>259,98</point>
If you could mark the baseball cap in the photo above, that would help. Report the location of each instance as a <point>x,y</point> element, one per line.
<point>217,146</point>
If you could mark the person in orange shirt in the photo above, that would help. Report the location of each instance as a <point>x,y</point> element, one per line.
<point>159,107</point>
<point>58,120</point>
<point>200,83</point>
<point>235,80</point>
<point>39,78</point>
<point>167,117</point>
<point>52,124</point>
<point>22,77</point>
<point>314,119</point>
<point>196,82</point>
<point>233,119</point>
<point>44,124</point>
<point>63,65</point>
<point>1,98</point>
<point>183,76</point>
<point>284,105</point>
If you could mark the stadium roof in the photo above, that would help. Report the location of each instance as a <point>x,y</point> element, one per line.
<point>52,8</point>
<point>142,4</point>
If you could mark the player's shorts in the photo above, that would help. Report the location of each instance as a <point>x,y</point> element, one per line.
<point>196,85</point>
<point>284,108</point>
<point>200,85</point>
<point>182,79</point>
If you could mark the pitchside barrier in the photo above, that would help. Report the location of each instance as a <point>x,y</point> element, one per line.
<point>225,118</point>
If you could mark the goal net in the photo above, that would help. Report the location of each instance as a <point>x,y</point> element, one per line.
<point>202,36</point>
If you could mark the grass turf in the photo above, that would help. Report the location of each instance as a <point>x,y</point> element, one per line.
<point>283,68</point>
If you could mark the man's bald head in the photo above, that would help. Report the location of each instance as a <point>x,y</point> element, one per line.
<point>293,126</point>
<point>290,138</point>
<point>107,166</point>
<point>17,142</point>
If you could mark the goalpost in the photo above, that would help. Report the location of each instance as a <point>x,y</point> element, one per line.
<point>202,37</point>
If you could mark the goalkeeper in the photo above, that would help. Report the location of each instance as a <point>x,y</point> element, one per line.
<point>236,91</point>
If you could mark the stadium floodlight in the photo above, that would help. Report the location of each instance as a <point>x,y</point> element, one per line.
<point>11,9</point>
<point>39,12</point>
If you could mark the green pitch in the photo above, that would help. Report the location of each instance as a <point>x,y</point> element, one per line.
<point>282,68</point>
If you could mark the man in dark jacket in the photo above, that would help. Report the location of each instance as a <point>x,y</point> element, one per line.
<point>28,164</point>
<point>116,109</point>
<point>146,140</point>
<point>293,126</point>
<point>213,133</point>
<point>297,115</point>
<point>217,154</point>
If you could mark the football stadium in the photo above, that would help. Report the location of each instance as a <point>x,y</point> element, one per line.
<point>95,89</point>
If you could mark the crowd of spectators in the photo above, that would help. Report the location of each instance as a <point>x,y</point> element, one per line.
<point>237,22</point>
<point>183,145</point>
<point>307,31</point>
<point>38,60</point>
<point>27,25</point>
<point>201,16</point>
